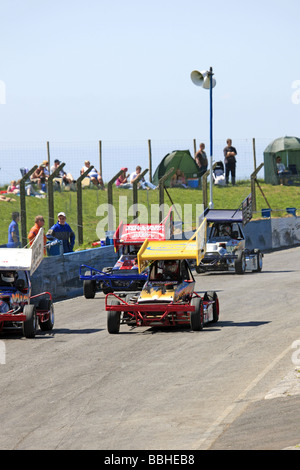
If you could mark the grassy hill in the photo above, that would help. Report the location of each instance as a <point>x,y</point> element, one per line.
<point>278,197</point>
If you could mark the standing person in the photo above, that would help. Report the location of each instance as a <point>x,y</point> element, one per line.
<point>39,222</point>
<point>62,231</point>
<point>201,159</point>
<point>143,184</point>
<point>230,161</point>
<point>13,231</point>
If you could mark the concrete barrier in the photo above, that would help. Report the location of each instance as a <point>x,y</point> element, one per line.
<point>273,233</point>
<point>60,274</point>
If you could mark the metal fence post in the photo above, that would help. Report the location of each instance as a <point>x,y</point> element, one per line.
<point>161,192</point>
<point>110,200</point>
<point>135,192</point>
<point>23,205</point>
<point>50,194</point>
<point>79,204</point>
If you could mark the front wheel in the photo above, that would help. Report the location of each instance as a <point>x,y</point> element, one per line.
<point>240,263</point>
<point>259,261</point>
<point>213,297</point>
<point>196,317</point>
<point>29,325</point>
<point>89,288</point>
<point>114,318</point>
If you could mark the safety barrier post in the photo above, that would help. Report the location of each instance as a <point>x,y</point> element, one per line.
<point>161,192</point>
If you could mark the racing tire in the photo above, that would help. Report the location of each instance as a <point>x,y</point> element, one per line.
<point>196,317</point>
<point>212,296</point>
<point>259,260</point>
<point>47,304</point>
<point>107,290</point>
<point>30,324</point>
<point>199,270</point>
<point>89,288</point>
<point>240,263</point>
<point>113,319</point>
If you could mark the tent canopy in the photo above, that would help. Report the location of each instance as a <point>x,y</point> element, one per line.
<point>179,159</point>
<point>288,148</point>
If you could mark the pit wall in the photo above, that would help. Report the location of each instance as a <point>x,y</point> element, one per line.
<point>60,274</point>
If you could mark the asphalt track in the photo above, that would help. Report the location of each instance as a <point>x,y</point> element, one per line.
<point>234,385</point>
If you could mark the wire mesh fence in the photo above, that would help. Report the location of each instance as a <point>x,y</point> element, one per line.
<point>109,156</point>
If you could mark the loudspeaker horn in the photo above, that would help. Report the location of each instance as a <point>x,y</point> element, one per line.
<point>198,77</point>
<point>202,79</point>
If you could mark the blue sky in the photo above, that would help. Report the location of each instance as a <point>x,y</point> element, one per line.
<point>113,69</point>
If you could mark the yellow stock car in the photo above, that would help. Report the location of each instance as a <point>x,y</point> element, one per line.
<point>168,297</point>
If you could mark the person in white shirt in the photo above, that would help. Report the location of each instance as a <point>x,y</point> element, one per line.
<point>94,175</point>
<point>143,184</point>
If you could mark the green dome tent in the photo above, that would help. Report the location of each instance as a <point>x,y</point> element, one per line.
<point>288,148</point>
<point>178,159</point>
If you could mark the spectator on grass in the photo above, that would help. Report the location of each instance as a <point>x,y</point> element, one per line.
<point>178,180</point>
<point>230,161</point>
<point>142,184</point>
<point>13,187</point>
<point>122,180</point>
<point>67,178</point>
<point>94,175</point>
<point>281,171</point>
<point>38,176</point>
<point>201,159</point>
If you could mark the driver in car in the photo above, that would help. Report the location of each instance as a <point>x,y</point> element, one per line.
<point>171,270</point>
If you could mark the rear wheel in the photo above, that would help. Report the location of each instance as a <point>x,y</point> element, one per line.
<point>113,318</point>
<point>46,304</point>
<point>196,317</point>
<point>29,325</point>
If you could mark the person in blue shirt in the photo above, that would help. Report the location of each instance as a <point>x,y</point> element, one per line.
<point>62,231</point>
<point>13,232</point>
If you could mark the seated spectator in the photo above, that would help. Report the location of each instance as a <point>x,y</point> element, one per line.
<point>67,178</point>
<point>13,187</point>
<point>6,199</point>
<point>281,171</point>
<point>46,168</point>
<point>94,175</point>
<point>178,180</point>
<point>39,177</point>
<point>143,184</point>
<point>122,180</point>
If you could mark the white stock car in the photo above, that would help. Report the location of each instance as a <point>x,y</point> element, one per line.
<point>226,245</point>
